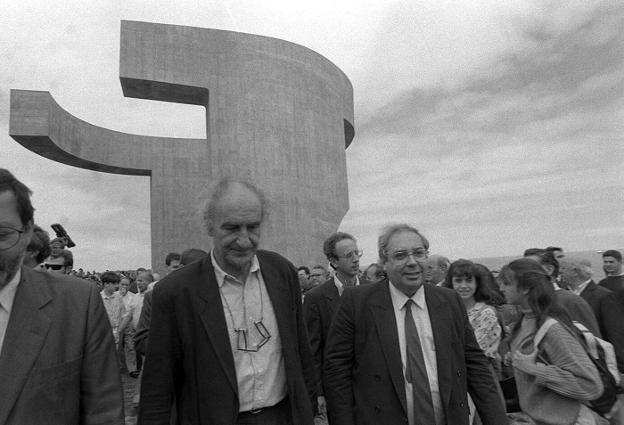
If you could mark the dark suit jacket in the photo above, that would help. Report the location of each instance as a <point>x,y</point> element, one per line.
<point>615,284</point>
<point>189,354</point>
<point>610,317</point>
<point>578,309</point>
<point>58,363</point>
<point>319,306</point>
<point>364,382</point>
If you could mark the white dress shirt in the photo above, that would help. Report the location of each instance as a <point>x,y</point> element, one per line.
<point>425,334</point>
<point>261,375</point>
<point>133,304</point>
<point>7,296</point>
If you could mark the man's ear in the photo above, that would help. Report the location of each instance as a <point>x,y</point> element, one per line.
<point>28,231</point>
<point>332,261</point>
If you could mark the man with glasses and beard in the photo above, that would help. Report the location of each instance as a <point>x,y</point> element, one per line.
<point>57,354</point>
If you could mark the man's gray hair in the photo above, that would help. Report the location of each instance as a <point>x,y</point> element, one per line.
<point>217,191</point>
<point>391,229</point>
<point>440,260</point>
<point>582,265</point>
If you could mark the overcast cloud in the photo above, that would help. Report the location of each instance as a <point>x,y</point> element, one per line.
<point>491,129</point>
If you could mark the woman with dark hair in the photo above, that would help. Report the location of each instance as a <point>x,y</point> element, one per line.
<point>550,391</point>
<point>487,278</point>
<point>467,279</point>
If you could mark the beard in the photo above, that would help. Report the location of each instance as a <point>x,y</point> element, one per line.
<point>8,268</point>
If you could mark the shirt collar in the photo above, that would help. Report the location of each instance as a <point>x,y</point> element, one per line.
<point>7,294</point>
<point>399,298</point>
<point>107,297</point>
<point>221,275</point>
<point>581,287</point>
<point>340,285</point>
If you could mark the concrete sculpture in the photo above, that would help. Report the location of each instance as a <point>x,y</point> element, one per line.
<point>276,113</point>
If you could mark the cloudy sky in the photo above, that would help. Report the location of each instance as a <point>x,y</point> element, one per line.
<point>491,126</point>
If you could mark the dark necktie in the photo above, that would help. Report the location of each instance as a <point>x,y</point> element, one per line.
<point>415,371</point>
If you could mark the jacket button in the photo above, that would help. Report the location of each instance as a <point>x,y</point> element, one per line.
<point>461,404</point>
<point>377,378</point>
<point>458,373</point>
<point>377,409</point>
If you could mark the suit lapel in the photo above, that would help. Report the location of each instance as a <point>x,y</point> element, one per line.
<point>213,319</point>
<point>330,292</point>
<point>25,335</point>
<point>589,290</point>
<point>278,287</point>
<point>441,325</point>
<point>385,322</point>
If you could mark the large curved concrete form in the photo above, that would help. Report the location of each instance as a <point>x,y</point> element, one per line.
<point>276,113</point>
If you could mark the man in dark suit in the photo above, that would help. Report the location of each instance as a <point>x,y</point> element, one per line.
<point>400,352</point>
<point>57,354</point>
<point>321,302</point>
<point>576,273</point>
<point>227,338</point>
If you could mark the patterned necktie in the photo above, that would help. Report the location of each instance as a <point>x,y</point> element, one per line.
<point>415,371</point>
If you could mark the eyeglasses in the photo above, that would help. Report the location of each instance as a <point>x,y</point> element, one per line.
<point>54,266</point>
<point>9,237</point>
<point>419,254</point>
<point>351,255</point>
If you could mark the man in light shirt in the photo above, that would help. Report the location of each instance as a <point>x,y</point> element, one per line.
<point>115,308</point>
<point>227,339</point>
<point>133,303</point>
<point>399,351</point>
<point>57,354</point>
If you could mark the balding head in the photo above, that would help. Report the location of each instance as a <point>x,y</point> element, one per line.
<point>438,266</point>
<point>233,217</point>
<point>574,271</point>
<point>228,190</point>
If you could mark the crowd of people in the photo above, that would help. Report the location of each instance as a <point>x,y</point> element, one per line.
<point>238,335</point>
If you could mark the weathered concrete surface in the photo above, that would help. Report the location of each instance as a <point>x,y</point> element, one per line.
<point>276,113</point>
